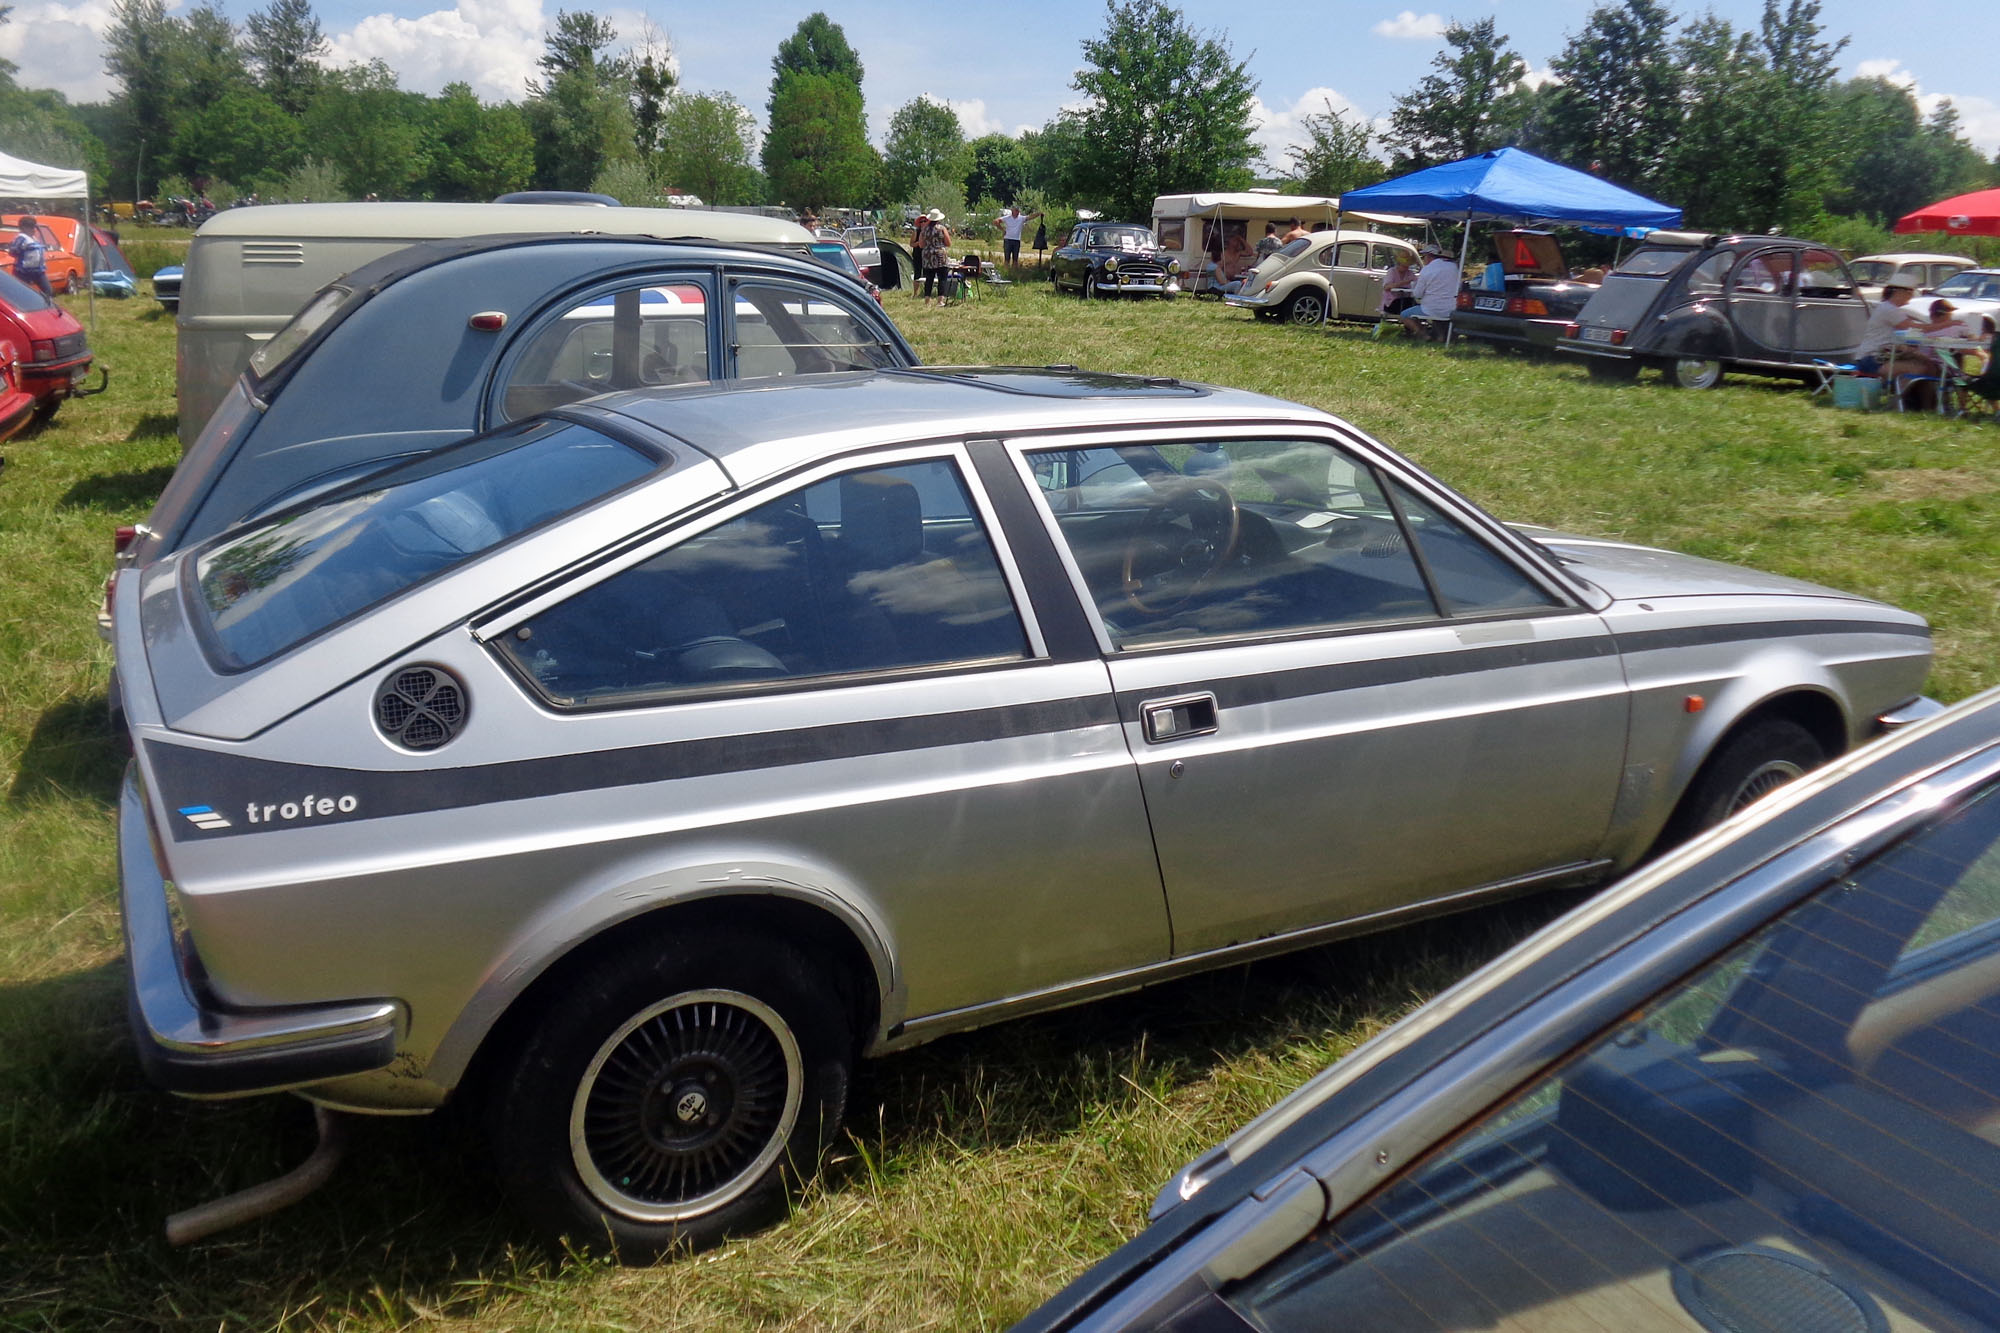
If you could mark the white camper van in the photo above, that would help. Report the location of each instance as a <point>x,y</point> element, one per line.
<point>1192,226</point>
<point>249,270</point>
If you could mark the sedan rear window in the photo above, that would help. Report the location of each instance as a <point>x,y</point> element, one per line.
<point>273,585</point>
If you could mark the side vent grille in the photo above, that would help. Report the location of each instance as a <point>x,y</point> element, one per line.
<point>288,253</point>
<point>420,707</point>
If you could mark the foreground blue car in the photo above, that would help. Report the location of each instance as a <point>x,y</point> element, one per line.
<point>1756,1086</point>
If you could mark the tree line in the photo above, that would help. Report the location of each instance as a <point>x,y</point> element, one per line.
<point>1748,129</point>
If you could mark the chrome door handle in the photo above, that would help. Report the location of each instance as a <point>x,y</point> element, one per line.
<point>1173,719</point>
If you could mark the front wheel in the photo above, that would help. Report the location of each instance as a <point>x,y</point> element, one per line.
<point>1745,768</point>
<point>673,1096</point>
<point>1694,372</point>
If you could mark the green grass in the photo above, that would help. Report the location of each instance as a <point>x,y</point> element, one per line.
<point>983,1170</point>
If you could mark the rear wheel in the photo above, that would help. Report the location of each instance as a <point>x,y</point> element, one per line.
<point>1306,307</point>
<point>672,1096</point>
<point>1694,372</point>
<point>1745,768</point>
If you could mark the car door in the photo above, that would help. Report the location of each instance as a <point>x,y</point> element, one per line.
<point>1357,287</point>
<point>1760,304</point>
<point>853,690</point>
<point>1344,693</point>
<point>1829,316</point>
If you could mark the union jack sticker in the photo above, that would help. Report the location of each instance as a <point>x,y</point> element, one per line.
<point>204,816</point>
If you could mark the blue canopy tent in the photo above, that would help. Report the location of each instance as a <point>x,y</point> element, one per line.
<point>1509,185</point>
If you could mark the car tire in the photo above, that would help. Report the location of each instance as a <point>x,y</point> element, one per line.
<point>1694,372</point>
<point>1613,372</point>
<point>1748,765</point>
<point>1305,307</point>
<point>1083,289</point>
<point>711,1068</point>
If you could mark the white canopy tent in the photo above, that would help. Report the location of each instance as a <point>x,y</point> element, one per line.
<point>22,179</point>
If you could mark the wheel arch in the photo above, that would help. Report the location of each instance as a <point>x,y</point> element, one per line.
<point>1814,707</point>
<point>842,938</point>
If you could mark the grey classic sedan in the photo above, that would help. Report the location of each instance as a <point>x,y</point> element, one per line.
<point>1754,1087</point>
<point>639,765</point>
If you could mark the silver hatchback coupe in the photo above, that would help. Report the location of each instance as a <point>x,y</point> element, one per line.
<point>636,767</point>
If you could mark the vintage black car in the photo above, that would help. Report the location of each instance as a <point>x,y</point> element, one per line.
<point>1694,305</point>
<point>1537,302</point>
<point>1114,259</point>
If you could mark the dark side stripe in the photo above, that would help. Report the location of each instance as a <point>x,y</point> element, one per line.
<point>231,784</point>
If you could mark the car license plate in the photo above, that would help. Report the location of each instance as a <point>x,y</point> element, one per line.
<point>1599,335</point>
<point>1489,303</point>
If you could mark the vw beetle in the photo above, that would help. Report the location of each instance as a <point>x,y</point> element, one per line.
<point>633,769</point>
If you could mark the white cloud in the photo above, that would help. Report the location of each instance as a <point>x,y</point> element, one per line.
<point>1276,129</point>
<point>1892,70</point>
<point>1413,26</point>
<point>59,44</point>
<point>490,44</point>
<point>972,116</point>
<point>1539,78</point>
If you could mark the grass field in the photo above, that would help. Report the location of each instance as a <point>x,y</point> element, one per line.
<point>983,1170</point>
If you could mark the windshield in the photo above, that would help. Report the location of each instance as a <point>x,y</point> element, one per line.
<point>21,296</point>
<point>1119,238</point>
<point>1978,286</point>
<point>293,336</point>
<point>275,584</point>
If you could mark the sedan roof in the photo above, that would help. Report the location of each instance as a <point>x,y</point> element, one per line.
<point>760,428</point>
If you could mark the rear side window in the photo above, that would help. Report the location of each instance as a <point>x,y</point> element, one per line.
<point>266,360</point>
<point>881,569</point>
<point>656,334</point>
<point>276,584</point>
<point>786,330</point>
<point>1803,1135</point>
<point>1654,263</point>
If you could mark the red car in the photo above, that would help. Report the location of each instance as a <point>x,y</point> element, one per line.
<point>54,353</point>
<point>17,405</point>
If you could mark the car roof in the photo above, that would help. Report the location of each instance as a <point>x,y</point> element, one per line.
<point>422,221</point>
<point>757,429</point>
<point>1913,257</point>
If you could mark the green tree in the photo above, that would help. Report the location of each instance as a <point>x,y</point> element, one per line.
<point>925,139</point>
<point>706,143</point>
<point>1796,132</point>
<point>371,131</point>
<point>1167,111</point>
<point>1617,106</point>
<point>650,67</point>
<point>1053,151</point>
<point>815,153</point>
<point>476,151</point>
<point>138,56</point>
<point>581,114</point>
<point>284,44</point>
<point>999,169</point>
<point>1334,158</point>
<point>817,46</point>
<point>1453,112</point>
<point>243,136</point>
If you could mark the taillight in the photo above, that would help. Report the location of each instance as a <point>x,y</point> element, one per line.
<point>126,534</point>
<point>1465,300</point>
<point>1530,306</point>
<point>1617,337</point>
<point>44,349</point>
<point>1572,330</point>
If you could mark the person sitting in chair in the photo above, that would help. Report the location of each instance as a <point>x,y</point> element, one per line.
<point>1433,296</point>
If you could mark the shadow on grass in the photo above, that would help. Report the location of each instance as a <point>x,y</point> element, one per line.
<point>154,426</point>
<point>118,490</point>
<point>411,1226</point>
<point>71,752</point>
<point>97,1159</point>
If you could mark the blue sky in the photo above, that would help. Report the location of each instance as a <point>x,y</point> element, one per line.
<point>1008,66</point>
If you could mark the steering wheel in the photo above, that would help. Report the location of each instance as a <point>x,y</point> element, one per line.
<point>1188,533</point>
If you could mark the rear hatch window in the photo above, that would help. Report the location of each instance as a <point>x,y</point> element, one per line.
<point>1622,301</point>
<point>270,586</point>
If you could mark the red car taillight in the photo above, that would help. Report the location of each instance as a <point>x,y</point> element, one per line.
<point>44,349</point>
<point>126,534</point>
<point>1617,337</point>
<point>1572,330</point>
<point>1465,300</point>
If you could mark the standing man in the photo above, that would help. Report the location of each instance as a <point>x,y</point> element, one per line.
<point>1433,296</point>
<point>1270,245</point>
<point>1011,224</point>
<point>31,257</point>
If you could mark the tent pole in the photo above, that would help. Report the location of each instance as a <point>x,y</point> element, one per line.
<point>1464,248</point>
<point>1326,306</point>
<point>89,250</point>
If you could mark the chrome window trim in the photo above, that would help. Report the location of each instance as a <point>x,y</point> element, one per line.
<point>687,527</point>
<point>1516,551</point>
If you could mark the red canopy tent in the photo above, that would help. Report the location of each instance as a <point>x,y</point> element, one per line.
<point>1975,214</point>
